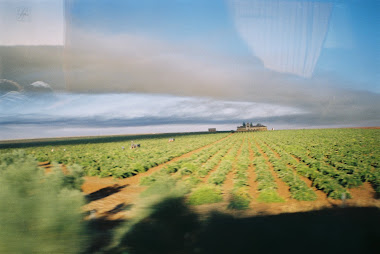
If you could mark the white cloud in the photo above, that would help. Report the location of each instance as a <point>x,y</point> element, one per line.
<point>133,106</point>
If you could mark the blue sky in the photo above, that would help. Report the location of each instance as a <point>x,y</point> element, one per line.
<point>352,40</point>
<point>285,63</point>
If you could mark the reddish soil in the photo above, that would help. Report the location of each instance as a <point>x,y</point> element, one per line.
<point>373,127</point>
<point>252,177</point>
<point>229,182</point>
<point>48,167</point>
<point>362,195</point>
<point>228,185</point>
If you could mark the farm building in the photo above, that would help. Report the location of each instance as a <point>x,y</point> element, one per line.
<point>211,129</point>
<point>251,127</point>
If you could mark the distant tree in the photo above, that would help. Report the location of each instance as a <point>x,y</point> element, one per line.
<point>243,124</point>
<point>251,125</point>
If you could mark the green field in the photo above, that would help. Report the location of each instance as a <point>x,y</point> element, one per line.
<point>335,160</point>
<point>240,171</point>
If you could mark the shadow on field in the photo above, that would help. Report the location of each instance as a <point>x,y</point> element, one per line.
<point>120,207</point>
<point>173,228</point>
<point>104,192</point>
<point>100,233</point>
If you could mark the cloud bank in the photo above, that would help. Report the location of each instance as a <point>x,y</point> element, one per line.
<point>114,79</point>
<point>117,110</point>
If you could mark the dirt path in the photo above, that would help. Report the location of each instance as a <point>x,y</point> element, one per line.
<point>112,198</point>
<point>228,184</point>
<point>363,195</point>
<point>252,177</point>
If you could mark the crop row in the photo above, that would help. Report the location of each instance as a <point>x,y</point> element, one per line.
<point>298,188</point>
<point>321,181</point>
<point>353,153</point>
<point>240,196</point>
<point>199,163</point>
<point>117,159</point>
<point>219,176</point>
<point>243,162</point>
<point>267,186</point>
<point>186,174</point>
<point>212,192</point>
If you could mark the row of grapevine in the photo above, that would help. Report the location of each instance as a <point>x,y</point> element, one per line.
<point>219,176</point>
<point>116,159</point>
<point>349,155</point>
<point>243,162</point>
<point>298,188</point>
<point>212,192</point>
<point>321,181</point>
<point>199,163</point>
<point>267,186</point>
<point>240,197</point>
<point>188,172</point>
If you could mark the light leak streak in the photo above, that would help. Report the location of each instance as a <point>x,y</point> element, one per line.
<point>286,35</point>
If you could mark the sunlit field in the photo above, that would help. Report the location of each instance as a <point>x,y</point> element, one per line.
<point>108,188</point>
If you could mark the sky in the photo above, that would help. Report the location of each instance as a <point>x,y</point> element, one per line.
<point>82,67</point>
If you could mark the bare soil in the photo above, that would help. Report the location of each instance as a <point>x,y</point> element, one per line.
<point>373,127</point>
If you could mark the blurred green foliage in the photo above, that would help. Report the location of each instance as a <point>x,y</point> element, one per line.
<point>39,212</point>
<point>205,195</point>
<point>240,199</point>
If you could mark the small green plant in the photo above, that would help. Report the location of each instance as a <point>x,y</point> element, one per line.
<point>269,196</point>
<point>240,199</point>
<point>166,187</point>
<point>192,181</point>
<point>205,195</point>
